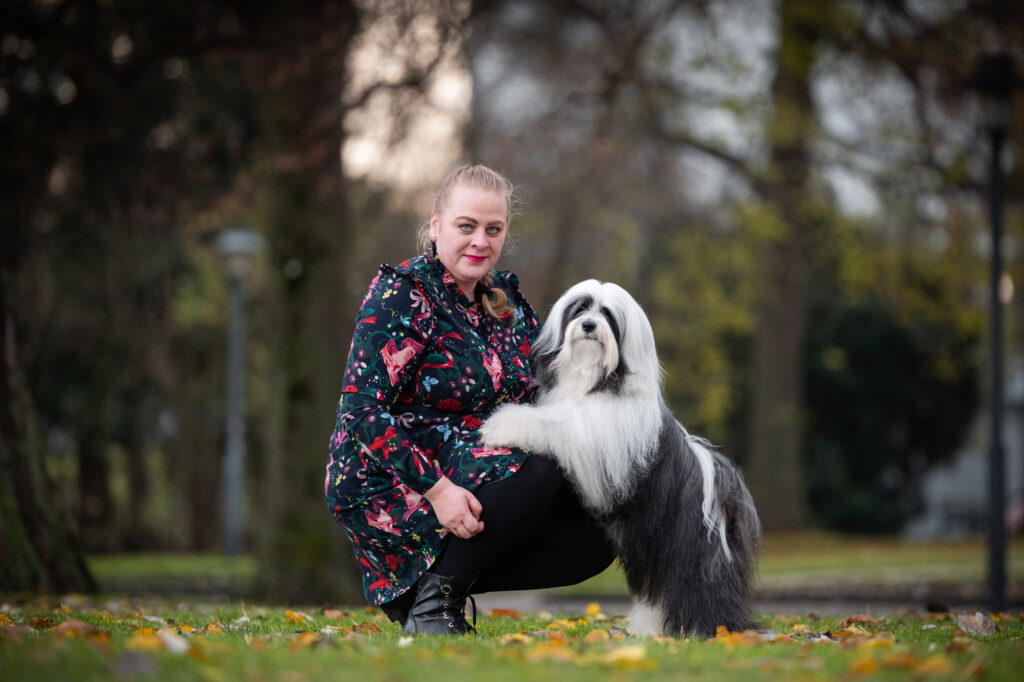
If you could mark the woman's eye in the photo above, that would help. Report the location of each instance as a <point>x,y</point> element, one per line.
<point>493,231</point>
<point>466,227</point>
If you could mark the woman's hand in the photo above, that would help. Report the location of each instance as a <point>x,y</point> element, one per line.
<point>456,508</point>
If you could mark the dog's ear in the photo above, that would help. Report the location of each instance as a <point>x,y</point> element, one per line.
<point>543,375</point>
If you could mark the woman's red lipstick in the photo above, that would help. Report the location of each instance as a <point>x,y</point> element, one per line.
<point>476,259</point>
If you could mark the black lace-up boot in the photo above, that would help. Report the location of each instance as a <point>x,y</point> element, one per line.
<point>440,607</point>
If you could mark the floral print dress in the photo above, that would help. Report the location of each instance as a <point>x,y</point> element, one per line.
<point>426,366</point>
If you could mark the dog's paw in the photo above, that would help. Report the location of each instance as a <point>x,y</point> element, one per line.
<point>503,428</point>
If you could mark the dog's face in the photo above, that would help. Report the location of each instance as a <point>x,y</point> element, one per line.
<point>597,338</point>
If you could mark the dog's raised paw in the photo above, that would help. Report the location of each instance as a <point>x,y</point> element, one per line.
<point>499,430</point>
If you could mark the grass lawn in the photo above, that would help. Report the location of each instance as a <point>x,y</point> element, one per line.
<point>78,638</point>
<point>815,560</point>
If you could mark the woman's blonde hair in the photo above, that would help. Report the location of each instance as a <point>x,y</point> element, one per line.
<point>496,304</point>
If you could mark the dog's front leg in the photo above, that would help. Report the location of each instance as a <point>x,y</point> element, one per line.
<point>520,426</point>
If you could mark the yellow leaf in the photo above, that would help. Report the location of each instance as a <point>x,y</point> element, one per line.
<point>903,661</point>
<point>213,629</point>
<point>146,631</point>
<point>549,651</point>
<point>145,642</point>
<point>877,642</point>
<point>737,640</point>
<point>5,620</point>
<point>297,616</point>
<point>304,640</point>
<point>186,627</point>
<point>634,656</point>
<point>562,624</point>
<point>515,638</point>
<point>935,665</point>
<point>800,627</point>
<point>597,636</point>
<point>865,665</point>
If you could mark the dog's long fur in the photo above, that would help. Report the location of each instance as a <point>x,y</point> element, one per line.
<point>678,512</point>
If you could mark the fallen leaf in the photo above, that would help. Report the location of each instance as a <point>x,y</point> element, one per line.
<point>299,616</point>
<point>549,651</point>
<point>174,642</point>
<point>737,640</point>
<point>901,660</point>
<point>333,613</point>
<point>5,620</point>
<point>14,633</point>
<point>859,619</point>
<point>145,642</point>
<point>629,657</point>
<point>367,628</point>
<point>935,665</point>
<point>597,636</point>
<point>515,638</point>
<point>865,665</point>
<point>978,625</point>
<point>73,628</point>
<point>505,613</point>
<point>404,642</point>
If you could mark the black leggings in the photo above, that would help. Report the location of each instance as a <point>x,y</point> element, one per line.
<point>536,535</point>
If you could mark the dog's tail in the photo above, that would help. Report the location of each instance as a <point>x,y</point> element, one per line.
<point>733,531</point>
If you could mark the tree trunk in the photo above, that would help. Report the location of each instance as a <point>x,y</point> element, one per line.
<point>304,555</point>
<point>773,466</point>
<point>38,552</point>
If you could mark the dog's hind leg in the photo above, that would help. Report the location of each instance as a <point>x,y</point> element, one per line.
<point>646,620</point>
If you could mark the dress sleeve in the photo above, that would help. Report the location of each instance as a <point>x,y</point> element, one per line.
<point>393,326</point>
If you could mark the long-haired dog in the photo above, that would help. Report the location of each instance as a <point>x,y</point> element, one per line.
<point>682,521</point>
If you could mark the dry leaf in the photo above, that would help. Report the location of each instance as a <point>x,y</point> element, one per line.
<point>549,651</point>
<point>903,661</point>
<point>144,642</point>
<point>5,620</point>
<point>597,636</point>
<point>515,638</point>
<point>629,657</point>
<point>978,625</point>
<point>505,613</point>
<point>297,616</point>
<point>859,619</point>
<point>737,640</point>
<point>935,665</point>
<point>73,628</point>
<point>367,628</point>
<point>865,665</point>
<point>174,642</point>
<point>333,613</point>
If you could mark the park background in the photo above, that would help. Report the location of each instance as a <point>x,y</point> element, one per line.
<point>793,190</point>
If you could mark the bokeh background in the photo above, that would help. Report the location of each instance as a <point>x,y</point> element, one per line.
<point>793,189</point>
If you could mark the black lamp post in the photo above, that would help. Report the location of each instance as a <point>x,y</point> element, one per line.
<point>995,79</point>
<point>239,246</point>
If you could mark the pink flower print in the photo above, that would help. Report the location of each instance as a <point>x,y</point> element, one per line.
<point>396,359</point>
<point>492,363</point>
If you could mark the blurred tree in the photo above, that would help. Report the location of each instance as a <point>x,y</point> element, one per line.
<point>636,119</point>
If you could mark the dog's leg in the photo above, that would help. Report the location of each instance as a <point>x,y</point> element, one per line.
<point>520,426</point>
<point>645,620</point>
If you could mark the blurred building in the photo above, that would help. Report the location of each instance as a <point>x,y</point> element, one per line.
<point>956,494</point>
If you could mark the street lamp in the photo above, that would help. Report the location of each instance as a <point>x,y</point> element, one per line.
<point>239,246</point>
<point>995,79</point>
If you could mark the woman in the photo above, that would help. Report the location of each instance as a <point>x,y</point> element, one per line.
<point>439,342</point>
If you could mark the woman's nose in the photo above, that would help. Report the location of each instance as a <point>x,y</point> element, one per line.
<point>479,239</point>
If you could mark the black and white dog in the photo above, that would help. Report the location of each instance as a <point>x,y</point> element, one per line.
<point>679,514</point>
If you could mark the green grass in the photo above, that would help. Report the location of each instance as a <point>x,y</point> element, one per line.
<point>811,559</point>
<point>258,643</point>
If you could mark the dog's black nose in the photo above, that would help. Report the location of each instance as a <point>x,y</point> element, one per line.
<point>588,326</point>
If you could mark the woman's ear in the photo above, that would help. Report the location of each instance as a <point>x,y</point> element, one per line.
<point>433,226</point>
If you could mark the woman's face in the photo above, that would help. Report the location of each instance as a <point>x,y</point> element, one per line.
<point>469,233</point>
